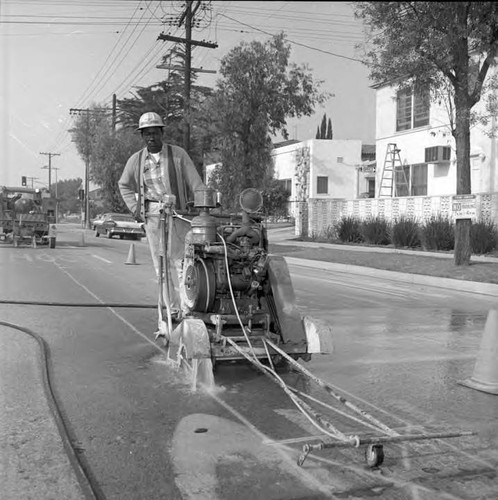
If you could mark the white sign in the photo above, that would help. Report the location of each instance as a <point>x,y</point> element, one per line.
<point>464,206</point>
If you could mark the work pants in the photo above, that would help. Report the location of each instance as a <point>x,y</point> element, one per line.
<point>175,255</point>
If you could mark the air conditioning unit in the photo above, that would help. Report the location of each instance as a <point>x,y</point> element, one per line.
<point>437,154</point>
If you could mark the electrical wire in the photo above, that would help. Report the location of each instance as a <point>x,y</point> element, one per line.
<point>293,41</point>
<point>75,304</point>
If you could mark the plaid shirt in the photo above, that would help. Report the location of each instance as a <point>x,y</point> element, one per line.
<point>156,178</point>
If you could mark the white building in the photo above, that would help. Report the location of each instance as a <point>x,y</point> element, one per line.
<point>420,130</point>
<point>321,169</point>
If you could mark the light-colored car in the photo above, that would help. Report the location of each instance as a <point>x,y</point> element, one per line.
<point>97,221</point>
<point>122,225</point>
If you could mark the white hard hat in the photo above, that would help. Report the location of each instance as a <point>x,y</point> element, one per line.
<point>150,120</point>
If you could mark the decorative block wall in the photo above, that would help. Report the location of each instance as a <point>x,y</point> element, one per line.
<point>324,213</point>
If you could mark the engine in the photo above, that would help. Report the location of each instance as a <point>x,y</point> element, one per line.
<point>230,280</point>
<point>225,265</point>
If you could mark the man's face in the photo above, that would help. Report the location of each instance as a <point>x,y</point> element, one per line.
<point>153,138</point>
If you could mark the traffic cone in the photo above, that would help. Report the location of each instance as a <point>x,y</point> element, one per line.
<point>485,377</point>
<point>82,239</point>
<point>131,255</point>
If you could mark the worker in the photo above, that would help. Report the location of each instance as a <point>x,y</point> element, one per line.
<point>149,179</point>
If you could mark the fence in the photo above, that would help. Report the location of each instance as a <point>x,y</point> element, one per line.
<point>316,215</point>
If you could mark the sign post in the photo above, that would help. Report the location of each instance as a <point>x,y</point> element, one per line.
<point>464,206</point>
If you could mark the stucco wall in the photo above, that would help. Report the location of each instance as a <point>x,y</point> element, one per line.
<point>324,161</point>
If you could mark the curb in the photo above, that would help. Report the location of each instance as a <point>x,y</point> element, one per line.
<point>418,279</point>
<point>358,248</point>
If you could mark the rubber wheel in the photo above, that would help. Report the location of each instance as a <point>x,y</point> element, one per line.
<point>109,234</point>
<point>374,455</point>
<point>52,242</point>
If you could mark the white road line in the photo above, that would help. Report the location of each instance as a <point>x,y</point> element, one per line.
<point>101,258</point>
<point>127,323</point>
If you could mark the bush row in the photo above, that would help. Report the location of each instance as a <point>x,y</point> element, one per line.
<point>438,233</point>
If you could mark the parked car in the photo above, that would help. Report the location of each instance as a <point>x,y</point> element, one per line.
<point>122,225</point>
<point>97,221</point>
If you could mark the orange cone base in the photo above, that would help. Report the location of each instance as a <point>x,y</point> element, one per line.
<point>480,386</point>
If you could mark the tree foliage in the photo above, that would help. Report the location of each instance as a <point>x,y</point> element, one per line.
<point>330,134</point>
<point>324,131</point>
<point>106,151</point>
<point>323,127</point>
<point>436,45</point>
<point>259,90</point>
<point>275,199</point>
<point>67,195</point>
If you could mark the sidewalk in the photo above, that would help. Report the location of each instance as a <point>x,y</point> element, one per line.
<point>285,236</point>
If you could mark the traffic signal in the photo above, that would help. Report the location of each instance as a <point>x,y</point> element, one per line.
<point>23,181</point>
<point>81,194</point>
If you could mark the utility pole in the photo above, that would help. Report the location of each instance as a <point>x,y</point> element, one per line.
<point>87,112</point>
<point>187,16</point>
<point>56,200</point>
<point>114,106</point>
<point>50,167</point>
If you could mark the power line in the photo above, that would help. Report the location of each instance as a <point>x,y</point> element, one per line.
<point>294,42</point>
<point>86,94</point>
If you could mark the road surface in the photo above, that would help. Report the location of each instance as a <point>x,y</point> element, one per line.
<point>141,432</point>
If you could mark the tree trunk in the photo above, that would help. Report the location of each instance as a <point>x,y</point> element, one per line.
<point>462,140</point>
<point>463,248</point>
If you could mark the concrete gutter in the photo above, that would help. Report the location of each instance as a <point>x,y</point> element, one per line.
<point>418,279</point>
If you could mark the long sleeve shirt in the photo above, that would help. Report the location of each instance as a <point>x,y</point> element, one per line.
<point>132,186</point>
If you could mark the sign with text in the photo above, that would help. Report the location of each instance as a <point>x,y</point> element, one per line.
<point>464,206</point>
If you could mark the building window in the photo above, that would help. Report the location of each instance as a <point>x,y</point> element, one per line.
<point>411,180</point>
<point>418,180</point>
<point>286,184</point>
<point>322,185</point>
<point>412,109</point>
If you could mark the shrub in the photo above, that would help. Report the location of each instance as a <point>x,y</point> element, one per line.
<point>405,233</point>
<point>483,237</point>
<point>329,233</point>
<point>438,233</point>
<point>348,230</point>
<point>375,230</point>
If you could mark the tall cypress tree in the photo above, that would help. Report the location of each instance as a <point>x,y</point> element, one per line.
<point>329,130</point>
<point>323,128</point>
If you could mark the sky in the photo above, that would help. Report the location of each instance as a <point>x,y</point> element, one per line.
<point>61,54</point>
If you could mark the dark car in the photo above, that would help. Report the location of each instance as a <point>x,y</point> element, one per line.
<point>122,225</point>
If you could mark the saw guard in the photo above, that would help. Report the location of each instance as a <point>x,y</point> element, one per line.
<point>192,335</point>
<point>289,317</point>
